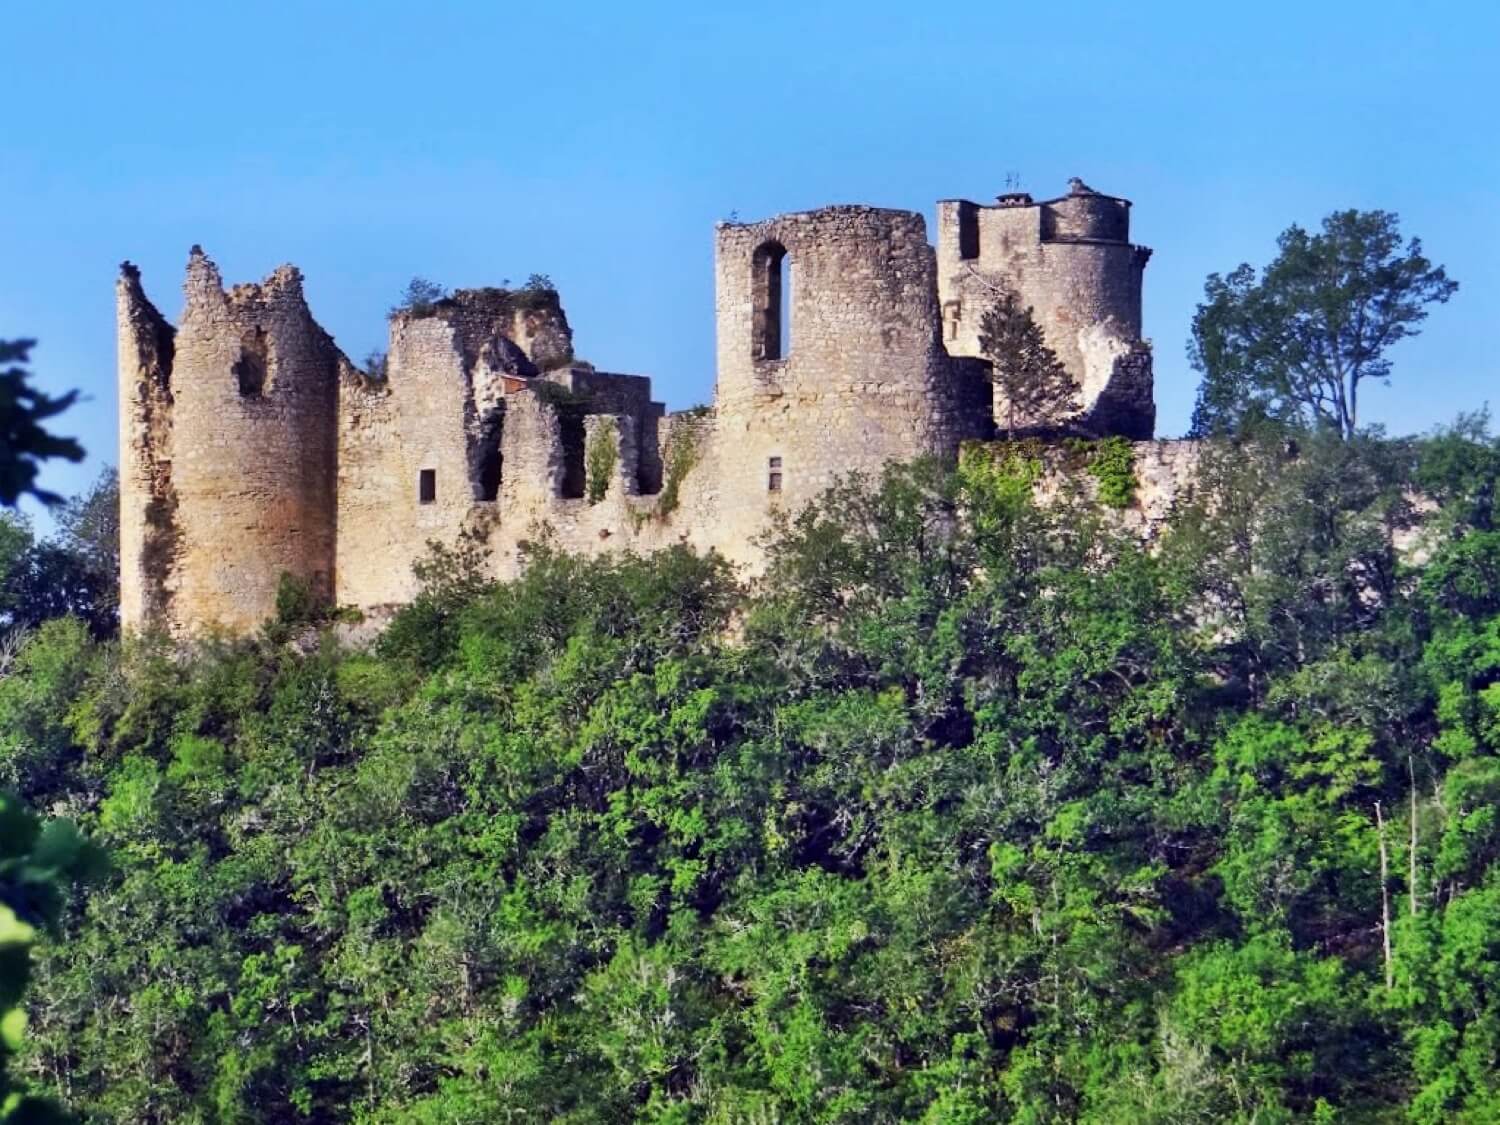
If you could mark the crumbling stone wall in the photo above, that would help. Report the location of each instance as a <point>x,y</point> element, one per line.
<point>149,538</point>
<point>251,446</point>
<point>1166,475</point>
<point>238,486</point>
<point>1071,261</point>
<point>424,417</point>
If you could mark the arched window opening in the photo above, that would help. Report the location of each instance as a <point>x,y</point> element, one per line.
<point>250,370</point>
<point>771,283</point>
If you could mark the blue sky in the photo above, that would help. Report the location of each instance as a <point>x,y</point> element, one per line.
<point>471,142</point>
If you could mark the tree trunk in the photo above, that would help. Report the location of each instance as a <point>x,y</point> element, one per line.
<point>1385,900</point>
<point>1411,875</point>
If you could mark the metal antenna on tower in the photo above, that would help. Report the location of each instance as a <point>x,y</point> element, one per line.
<point>1012,181</point>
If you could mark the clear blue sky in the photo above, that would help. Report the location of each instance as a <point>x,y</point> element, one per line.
<point>471,142</point>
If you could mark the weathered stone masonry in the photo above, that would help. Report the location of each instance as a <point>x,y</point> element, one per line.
<point>252,447</point>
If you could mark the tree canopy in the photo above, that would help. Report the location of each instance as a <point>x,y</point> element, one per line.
<point>969,810</point>
<point>74,571</point>
<point>1297,345</point>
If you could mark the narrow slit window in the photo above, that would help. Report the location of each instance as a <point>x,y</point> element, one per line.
<point>489,474</point>
<point>773,475</point>
<point>771,288</point>
<point>427,486</point>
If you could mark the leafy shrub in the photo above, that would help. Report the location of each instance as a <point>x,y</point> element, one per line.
<point>1112,464</point>
<point>600,459</point>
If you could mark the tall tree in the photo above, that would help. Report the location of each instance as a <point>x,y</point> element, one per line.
<point>1034,387</point>
<point>1293,347</point>
<point>24,441</point>
<point>76,571</point>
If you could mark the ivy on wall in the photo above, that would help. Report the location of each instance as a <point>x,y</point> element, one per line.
<point>599,460</point>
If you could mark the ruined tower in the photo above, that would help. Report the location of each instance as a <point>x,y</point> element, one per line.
<point>830,354</point>
<point>227,448</point>
<point>1071,260</point>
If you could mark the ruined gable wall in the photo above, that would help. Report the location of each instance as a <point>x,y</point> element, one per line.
<point>864,380</point>
<point>414,420</point>
<point>449,399</point>
<point>252,449</point>
<point>148,501</point>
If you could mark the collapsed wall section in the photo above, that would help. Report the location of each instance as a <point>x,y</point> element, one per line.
<point>483,426</point>
<point>149,535</point>
<point>419,452</point>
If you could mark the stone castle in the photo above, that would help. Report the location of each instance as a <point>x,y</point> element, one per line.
<point>250,446</point>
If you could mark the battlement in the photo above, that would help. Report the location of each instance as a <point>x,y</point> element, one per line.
<point>1082,215</point>
<point>251,447</point>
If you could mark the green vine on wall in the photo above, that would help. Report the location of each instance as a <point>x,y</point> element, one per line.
<point>681,454</point>
<point>599,460</point>
<point>1112,464</point>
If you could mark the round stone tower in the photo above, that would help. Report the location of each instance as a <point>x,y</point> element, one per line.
<point>830,356</point>
<point>1070,260</point>
<point>242,486</point>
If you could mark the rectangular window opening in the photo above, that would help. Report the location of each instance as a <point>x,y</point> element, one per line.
<point>968,231</point>
<point>773,477</point>
<point>427,486</point>
<point>571,431</point>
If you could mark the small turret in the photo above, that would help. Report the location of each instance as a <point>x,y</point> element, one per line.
<point>1071,262</point>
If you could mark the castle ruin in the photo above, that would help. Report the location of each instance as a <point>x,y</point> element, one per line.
<point>250,446</point>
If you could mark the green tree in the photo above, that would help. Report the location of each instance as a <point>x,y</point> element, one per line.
<point>1293,347</point>
<point>420,298</point>
<point>24,442</point>
<point>1035,390</point>
<point>75,571</point>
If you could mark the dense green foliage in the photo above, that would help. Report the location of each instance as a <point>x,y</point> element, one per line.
<point>968,811</point>
<point>1296,346</point>
<point>39,862</point>
<point>601,455</point>
<point>1111,462</point>
<point>75,570</point>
